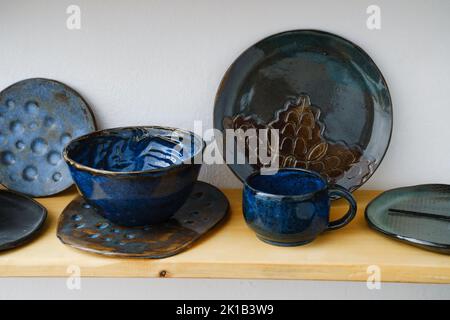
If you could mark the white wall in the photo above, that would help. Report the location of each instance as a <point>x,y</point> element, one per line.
<point>160,62</point>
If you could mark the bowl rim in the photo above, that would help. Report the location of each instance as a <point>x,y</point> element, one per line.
<point>97,133</point>
<point>295,197</point>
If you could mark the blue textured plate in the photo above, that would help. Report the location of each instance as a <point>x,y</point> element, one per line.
<point>418,215</point>
<point>38,117</point>
<point>324,94</point>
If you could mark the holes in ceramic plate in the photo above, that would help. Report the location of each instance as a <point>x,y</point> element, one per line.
<point>76,217</point>
<point>30,173</point>
<point>57,176</point>
<point>7,158</point>
<point>39,146</point>
<point>54,157</point>
<point>65,138</point>
<point>10,104</point>
<point>115,230</point>
<point>49,122</point>
<point>33,125</point>
<point>197,195</point>
<point>94,236</point>
<point>16,127</point>
<point>208,204</point>
<point>102,226</point>
<point>86,206</point>
<point>130,236</point>
<point>79,225</point>
<point>20,145</point>
<point>32,107</point>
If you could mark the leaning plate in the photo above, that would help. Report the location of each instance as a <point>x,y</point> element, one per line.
<point>38,117</point>
<point>418,215</point>
<point>81,227</point>
<point>324,94</point>
<point>21,218</point>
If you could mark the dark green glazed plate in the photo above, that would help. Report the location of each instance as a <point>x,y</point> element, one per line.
<point>418,215</point>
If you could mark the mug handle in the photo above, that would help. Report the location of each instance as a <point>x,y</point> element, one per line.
<point>351,213</point>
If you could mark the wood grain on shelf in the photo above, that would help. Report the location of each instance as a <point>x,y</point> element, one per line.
<point>232,251</point>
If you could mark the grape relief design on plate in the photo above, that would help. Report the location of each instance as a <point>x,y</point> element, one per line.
<point>302,143</point>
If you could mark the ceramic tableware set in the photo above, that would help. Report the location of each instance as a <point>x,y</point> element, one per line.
<point>139,194</point>
<point>138,189</point>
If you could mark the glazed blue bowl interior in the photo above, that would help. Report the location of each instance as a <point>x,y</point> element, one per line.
<point>135,149</point>
<point>287,183</point>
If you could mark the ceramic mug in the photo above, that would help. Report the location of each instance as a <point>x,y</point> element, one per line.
<point>292,206</point>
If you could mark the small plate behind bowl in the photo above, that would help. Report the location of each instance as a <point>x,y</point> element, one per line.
<point>80,226</point>
<point>21,218</point>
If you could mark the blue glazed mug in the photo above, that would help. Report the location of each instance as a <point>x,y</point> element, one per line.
<point>292,206</point>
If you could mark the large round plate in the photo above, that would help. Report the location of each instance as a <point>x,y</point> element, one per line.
<point>38,117</point>
<point>325,95</point>
<point>21,218</point>
<point>418,215</point>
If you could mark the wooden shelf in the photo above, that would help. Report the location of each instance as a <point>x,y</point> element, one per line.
<point>232,251</point>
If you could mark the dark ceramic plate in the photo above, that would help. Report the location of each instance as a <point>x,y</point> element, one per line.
<point>38,117</point>
<point>21,218</point>
<point>325,95</point>
<point>418,215</point>
<point>80,226</point>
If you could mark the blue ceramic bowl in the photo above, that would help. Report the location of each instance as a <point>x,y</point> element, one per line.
<point>135,176</point>
<point>292,206</point>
